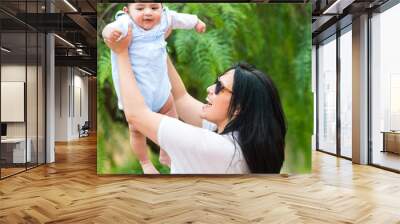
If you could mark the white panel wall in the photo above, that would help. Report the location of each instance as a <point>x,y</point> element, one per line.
<point>50,96</point>
<point>12,101</point>
<point>71,102</point>
<point>61,103</point>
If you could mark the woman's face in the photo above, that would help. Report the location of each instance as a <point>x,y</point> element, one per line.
<point>146,15</point>
<point>216,109</point>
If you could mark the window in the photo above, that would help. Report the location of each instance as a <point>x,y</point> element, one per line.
<point>346,92</point>
<point>385,88</point>
<point>327,96</point>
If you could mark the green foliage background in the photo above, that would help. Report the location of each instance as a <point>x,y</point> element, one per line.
<point>276,38</point>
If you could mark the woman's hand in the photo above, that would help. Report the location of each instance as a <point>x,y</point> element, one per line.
<point>166,35</point>
<point>121,45</point>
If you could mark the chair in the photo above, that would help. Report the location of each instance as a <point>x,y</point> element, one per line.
<point>84,130</point>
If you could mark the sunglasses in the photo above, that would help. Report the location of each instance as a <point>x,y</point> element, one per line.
<point>219,87</point>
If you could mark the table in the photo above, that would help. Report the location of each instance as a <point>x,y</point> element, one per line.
<point>13,150</point>
<point>391,141</point>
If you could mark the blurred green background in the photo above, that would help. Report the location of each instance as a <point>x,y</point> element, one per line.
<point>276,38</point>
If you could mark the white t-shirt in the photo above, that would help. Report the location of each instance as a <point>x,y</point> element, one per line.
<point>195,150</point>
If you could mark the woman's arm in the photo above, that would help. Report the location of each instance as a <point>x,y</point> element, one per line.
<point>189,109</point>
<point>135,109</point>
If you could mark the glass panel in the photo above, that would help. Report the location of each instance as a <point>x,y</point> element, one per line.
<point>23,84</point>
<point>13,88</point>
<point>31,97</point>
<point>345,94</point>
<point>32,85</point>
<point>327,96</point>
<point>386,89</point>
<point>41,99</point>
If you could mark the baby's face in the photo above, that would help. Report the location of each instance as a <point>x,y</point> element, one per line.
<point>146,15</point>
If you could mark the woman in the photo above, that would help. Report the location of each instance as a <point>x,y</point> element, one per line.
<point>241,128</point>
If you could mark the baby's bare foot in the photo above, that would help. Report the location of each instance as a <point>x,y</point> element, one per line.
<point>165,160</point>
<point>148,168</point>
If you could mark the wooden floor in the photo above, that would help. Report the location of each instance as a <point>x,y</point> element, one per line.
<point>69,191</point>
<point>10,171</point>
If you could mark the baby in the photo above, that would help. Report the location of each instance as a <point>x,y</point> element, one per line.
<point>151,23</point>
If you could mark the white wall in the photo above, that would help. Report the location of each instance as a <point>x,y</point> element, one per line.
<point>61,103</point>
<point>71,94</point>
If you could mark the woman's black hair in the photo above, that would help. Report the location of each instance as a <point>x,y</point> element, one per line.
<point>256,115</point>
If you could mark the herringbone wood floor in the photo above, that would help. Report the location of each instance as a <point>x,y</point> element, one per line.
<point>69,191</point>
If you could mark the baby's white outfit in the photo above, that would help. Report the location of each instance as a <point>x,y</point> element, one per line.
<point>148,55</point>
